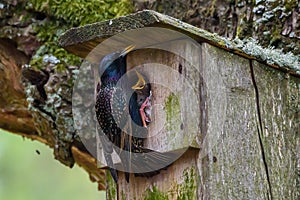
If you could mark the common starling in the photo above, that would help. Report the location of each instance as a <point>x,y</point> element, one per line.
<point>111,69</point>
<point>124,135</point>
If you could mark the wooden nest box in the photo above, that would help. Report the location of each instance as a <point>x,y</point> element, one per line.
<point>228,115</point>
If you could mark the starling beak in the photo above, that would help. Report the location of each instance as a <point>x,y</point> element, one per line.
<point>127,50</point>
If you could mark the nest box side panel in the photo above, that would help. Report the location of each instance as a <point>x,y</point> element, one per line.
<point>230,163</point>
<point>279,101</point>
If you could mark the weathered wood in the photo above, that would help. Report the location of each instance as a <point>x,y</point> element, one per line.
<point>279,104</point>
<point>176,99</point>
<point>14,115</point>
<point>82,40</point>
<point>233,168</point>
<point>236,148</point>
<point>179,181</point>
<point>232,153</point>
<point>173,71</point>
<point>176,120</point>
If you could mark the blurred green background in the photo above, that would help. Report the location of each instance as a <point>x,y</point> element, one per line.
<point>27,175</point>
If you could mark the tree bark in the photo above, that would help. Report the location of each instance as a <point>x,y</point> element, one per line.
<point>23,110</point>
<point>274,23</point>
<point>14,115</point>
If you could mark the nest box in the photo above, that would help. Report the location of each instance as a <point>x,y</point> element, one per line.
<point>205,107</point>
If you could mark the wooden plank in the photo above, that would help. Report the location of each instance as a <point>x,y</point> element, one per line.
<point>179,181</point>
<point>231,163</point>
<point>233,167</point>
<point>145,38</point>
<point>279,103</point>
<point>176,111</point>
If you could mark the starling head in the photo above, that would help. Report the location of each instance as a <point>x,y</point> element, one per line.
<point>113,65</point>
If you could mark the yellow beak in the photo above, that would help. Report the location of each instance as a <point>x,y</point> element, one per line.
<point>140,83</point>
<point>127,50</point>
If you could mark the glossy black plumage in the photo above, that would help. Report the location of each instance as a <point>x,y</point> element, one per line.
<point>111,69</point>
<point>121,121</point>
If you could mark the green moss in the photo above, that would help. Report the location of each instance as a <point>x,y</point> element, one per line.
<point>123,196</point>
<point>111,192</point>
<point>275,36</point>
<point>62,15</point>
<point>155,194</point>
<point>188,189</point>
<point>172,109</point>
<point>290,5</point>
<point>81,12</point>
<point>55,17</point>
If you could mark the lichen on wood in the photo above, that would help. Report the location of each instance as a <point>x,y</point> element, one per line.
<point>172,109</point>
<point>82,40</point>
<point>279,101</point>
<point>271,23</point>
<point>231,127</point>
<point>52,113</point>
<point>233,166</point>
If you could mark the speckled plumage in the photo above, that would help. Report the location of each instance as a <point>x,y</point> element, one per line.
<point>121,122</point>
<point>111,69</point>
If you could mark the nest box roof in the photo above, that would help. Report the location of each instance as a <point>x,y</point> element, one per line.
<point>82,40</point>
